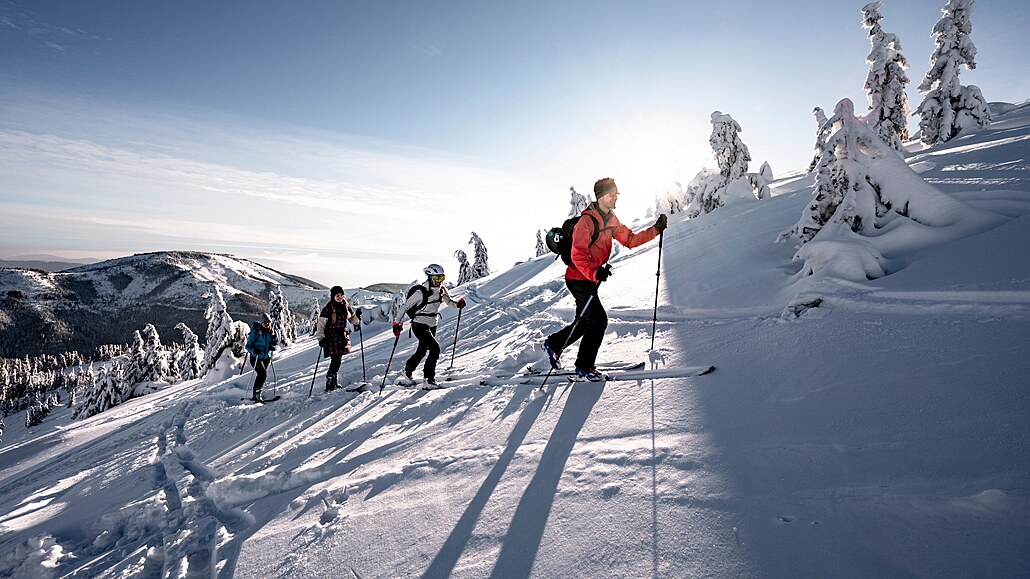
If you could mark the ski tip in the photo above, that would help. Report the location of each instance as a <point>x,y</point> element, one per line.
<point>708,370</point>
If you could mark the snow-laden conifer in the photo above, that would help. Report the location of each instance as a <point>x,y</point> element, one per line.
<point>712,188</point>
<point>155,357</point>
<point>135,370</point>
<point>464,268</point>
<point>577,203</point>
<point>282,318</point>
<point>885,84</point>
<point>219,329</point>
<point>541,247</point>
<point>106,392</point>
<point>188,362</point>
<point>821,133</point>
<point>731,153</point>
<point>670,198</point>
<point>480,263</point>
<point>948,107</point>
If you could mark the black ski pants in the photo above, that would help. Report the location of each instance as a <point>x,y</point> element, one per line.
<point>260,374</point>
<point>592,322</point>
<point>426,343</point>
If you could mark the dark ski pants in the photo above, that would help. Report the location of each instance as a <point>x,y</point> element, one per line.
<point>330,375</point>
<point>260,374</point>
<point>592,323</point>
<point>426,343</point>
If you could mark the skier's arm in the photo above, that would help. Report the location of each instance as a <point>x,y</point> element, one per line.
<point>415,298</point>
<point>446,298</point>
<point>626,237</point>
<point>251,339</point>
<point>581,235</point>
<point>320,327</point>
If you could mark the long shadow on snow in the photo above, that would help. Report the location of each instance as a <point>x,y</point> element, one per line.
<point>445,560</point>
<point>522,541</point>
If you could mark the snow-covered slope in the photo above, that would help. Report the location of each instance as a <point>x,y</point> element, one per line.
<point>103,303</point>
<point>852,429</point>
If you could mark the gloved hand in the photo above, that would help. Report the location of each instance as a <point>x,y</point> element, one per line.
<point>461,303</point>
<point>662,223</point>
<point>357,326</point>
<point>603,273</point>
<point>357,312</point>
<point>397,327</point>
<point>321,342</point>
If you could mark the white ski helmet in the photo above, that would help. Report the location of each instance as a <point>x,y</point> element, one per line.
<point>433,269</point>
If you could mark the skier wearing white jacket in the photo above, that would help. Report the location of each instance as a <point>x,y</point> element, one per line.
<point>423,307</point>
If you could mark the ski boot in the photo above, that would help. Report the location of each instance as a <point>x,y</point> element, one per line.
<point>330,382</point>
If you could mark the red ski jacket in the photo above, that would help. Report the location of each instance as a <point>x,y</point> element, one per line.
<point>586,256</point>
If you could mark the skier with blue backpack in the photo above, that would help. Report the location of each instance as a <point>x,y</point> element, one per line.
<point>586,252</point>
<point>423,309</point>
<point>261,342</point>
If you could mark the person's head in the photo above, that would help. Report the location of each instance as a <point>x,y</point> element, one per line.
<point>606,193</point>
<point>435,274</point>
<point>266,321</point>
<point>336,294</point>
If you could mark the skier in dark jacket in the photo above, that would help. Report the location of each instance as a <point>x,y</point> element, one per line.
<point>261,342</point>
<point>589,268</point>
<point>333,334</point>
<point>425,304</point>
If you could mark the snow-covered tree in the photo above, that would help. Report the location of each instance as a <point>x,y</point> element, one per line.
<point>316,310</point>
<point>760,181</point>
<point>135,369</point>
<point>187,364</point>
<point>219,329</point>
<point>731,153</point>
<point>541,247</point>
<point>948,108</point>
<point>886,81</point>
<point>106,392</point>
<point>464,268</point>
<point>843,192</point>
<point>820,137</point>
<point>480,265</point>
<point>578,203</point>
<point>670,198</point>
<point>155,358</point>
<point>282,318</point>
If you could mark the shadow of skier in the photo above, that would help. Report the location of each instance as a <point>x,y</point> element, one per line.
<point>522,541</point>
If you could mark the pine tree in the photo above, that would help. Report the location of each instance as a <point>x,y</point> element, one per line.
<point>541,247</point>
<point>577,202</point>
<point>820,137</point>
<point>282,318</point>
<point>948,107</point>
<point>187,363</point>
<point>886,81</point>
<point>219,329</point>
<point>136,370</point>
<point>670,199</point>
<point>316,310</point>
<point>731,153</point>
<point>480,265</point>
<point>155,358</point>
<point>106,393</point>
<point>843,192</point>
<point>464,269</point>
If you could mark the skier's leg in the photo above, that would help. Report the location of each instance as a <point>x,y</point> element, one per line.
<point>429,338</point>
<point>420,351</point>
<point>260,373</point>
<point>581,291</point>
<point>594,322</point>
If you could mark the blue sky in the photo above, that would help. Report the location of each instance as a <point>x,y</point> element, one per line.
<point>353,142</point>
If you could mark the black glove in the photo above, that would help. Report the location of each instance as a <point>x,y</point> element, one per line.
<point>357,326</point>
<point>321,342</point>
<point>662,223</point>
<point>357,313</point>
<point>603,273</point>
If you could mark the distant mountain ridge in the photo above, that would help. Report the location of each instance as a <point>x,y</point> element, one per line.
<point>101,303</point>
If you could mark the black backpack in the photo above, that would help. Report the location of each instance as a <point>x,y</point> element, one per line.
<point>413,310</point>
<point>559,239</point>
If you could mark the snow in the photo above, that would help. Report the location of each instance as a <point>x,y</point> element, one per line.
<point>854,427</point>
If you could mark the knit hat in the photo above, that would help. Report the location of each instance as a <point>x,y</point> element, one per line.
<point>266,318</point>
<point>603,187</point>
<point>336,290</point>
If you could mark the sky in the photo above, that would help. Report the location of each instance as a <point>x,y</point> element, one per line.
<point>354,142</point>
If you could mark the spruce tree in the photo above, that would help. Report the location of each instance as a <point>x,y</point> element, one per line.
<point>188,362</point>
<point>541,247</point>
<point>731,153</point>
<point>820,137</point>
<point>948,107</point>
<point>886,81</point>
<point>106,392</point>
<point>578,203</point>
<point>480,265</point>
<point>464,269</point>
<point>219,329</point>
<point>282,318</point>
<point>155,360</point>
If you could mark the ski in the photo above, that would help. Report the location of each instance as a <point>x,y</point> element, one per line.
<point>601,369</point>
<point>613,375</point>
<point>358,387</point>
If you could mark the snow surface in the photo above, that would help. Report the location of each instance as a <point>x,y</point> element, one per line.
<point>854,428</point>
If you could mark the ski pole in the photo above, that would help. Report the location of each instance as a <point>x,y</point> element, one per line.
<point>657,281</point>
<point>573,331</point>
<point>313,376</point>
<point>455,346</point>
<point>362,338</point>
<point>388,362</point>
<point>275,379</point>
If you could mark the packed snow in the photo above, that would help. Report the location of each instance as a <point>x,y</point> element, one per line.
<point>867,420</point>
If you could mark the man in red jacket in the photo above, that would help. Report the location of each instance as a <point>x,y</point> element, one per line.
<point>589,268</point>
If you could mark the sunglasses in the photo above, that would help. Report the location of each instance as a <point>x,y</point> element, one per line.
<point>438,278</point>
